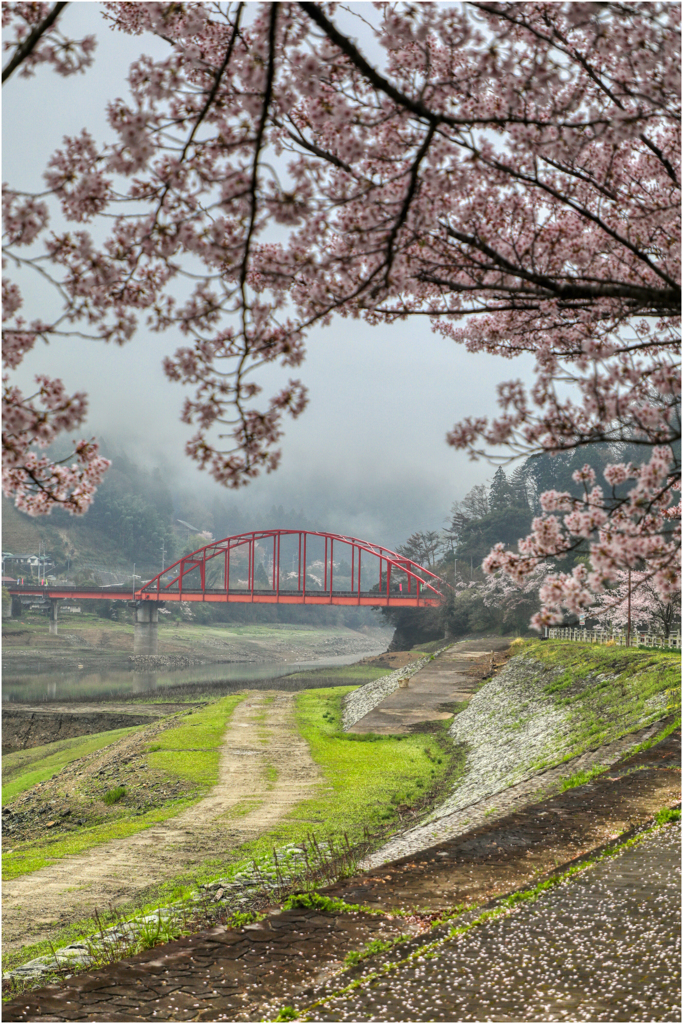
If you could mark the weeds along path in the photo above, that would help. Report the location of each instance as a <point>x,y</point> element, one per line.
<point>265,770</point>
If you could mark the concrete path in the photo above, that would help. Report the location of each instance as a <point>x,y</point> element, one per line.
<point>430,694</point>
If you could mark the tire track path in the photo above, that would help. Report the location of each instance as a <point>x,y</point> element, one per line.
<point>249,799</point>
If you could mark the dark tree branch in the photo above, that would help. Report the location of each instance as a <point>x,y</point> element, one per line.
<point>217,81</point>
<point>412,188</point>
<point>666,164</point>
<point>417,107</point>
<point>267,96</point>
<point>26,48</point>
<point>301,140</point>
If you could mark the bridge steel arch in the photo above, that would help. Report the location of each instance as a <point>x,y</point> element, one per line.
<point>401,582</point>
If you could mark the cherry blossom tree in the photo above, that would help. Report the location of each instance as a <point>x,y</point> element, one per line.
<point>38,482</point>
<point>634,594</point>
<point>498,590</point>
<point>508,170</point>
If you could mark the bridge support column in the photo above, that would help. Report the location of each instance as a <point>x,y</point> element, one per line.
<point>17,607</point>
<point>54,614</point>
<point>146,635</point>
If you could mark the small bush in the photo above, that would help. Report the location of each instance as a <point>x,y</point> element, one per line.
<point>112,796</point>
<point>242,917</point>
<point>667,814</point>
<point>286,1013</point>
<point>316,901</point>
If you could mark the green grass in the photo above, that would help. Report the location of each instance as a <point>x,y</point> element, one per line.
<point>356,956</point>
<point>191,750</point>
<point>112,796</point>
<point>667,814</point>
<point>661,735</point>
<point>364,780</point>
<point>580,778</point>
<point>609,691</point>
<point>363,783</point>
<point>25,768</point>
<point>325,904</point>
<point>188,751</point>
<point>28,857</point>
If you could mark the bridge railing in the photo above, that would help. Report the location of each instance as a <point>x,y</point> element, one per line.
<point>617,639</point>
<point>281,556</point>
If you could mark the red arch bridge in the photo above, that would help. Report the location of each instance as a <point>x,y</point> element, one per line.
<point>274,567</point>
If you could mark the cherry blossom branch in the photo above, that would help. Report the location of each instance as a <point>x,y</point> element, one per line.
<point>27,47</point>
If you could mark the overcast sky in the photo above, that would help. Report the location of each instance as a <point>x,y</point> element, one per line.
<point>368,456</point>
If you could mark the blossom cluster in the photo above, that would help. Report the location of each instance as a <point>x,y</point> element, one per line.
<point>66,56</point>
<point>37,482</point>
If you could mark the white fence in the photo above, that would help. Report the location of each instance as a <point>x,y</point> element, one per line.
<point>601,636</point>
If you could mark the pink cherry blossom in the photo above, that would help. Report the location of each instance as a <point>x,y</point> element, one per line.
<point>508,171</point>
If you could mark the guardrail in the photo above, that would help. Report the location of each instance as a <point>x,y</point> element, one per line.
<point>600,636</point>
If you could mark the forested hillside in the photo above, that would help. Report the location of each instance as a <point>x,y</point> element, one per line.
<point>501,511</point>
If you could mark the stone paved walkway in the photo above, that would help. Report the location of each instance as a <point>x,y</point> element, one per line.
<point>296,958</point>
<point>430,694</point>
<point>604,946</point>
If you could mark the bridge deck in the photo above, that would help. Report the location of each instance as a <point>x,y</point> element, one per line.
<point>236,596</point>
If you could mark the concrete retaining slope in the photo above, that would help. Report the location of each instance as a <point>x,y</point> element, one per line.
<point>428,693</point>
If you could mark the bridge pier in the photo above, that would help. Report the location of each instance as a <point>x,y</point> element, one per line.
<point>146,633</point>
<point>15,607</point>
<point>54,615</point>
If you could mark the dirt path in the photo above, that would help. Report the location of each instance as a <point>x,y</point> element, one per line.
<point>265,769</point>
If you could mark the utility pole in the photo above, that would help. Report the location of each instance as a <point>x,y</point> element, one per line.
<point>628,618</point>
<point>163,554</point>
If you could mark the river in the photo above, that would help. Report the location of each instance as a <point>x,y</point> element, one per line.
<point>21,685</point>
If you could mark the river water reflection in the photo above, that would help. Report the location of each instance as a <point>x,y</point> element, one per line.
<point>87,683</point>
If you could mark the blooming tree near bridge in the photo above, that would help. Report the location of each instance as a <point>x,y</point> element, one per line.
<point>634,598</point>
<point>508,170</point>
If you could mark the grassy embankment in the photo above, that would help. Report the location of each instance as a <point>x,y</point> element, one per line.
<point>23,769</point>
<point>162,772</point>
<point>608,692</point>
